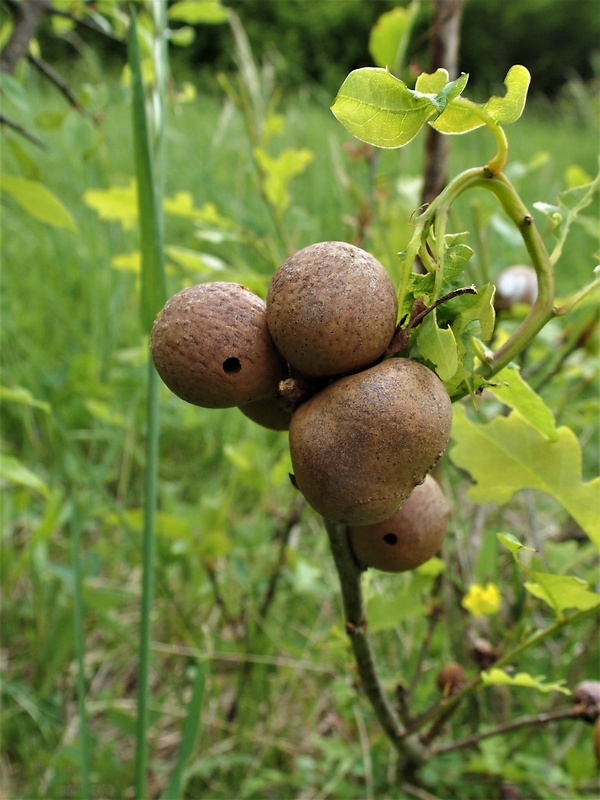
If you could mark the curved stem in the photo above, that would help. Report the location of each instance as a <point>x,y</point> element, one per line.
<point>496,164</point>
<point>542,310</point>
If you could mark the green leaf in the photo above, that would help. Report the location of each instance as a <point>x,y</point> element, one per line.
<point>279,171</point>
<point>199,12</point>
<point>182,37</point>
<point>512,543</point>
<point>13,470</point>
<point>458,118</point>
<point>438,345</point>
<point>387,36</point>
<point>193,261</point>
<point>18,394</point>
<point>508,454</point>
<point>386,611</point>
<point>495,677</point>
<point>28,166</point>
<point>190,731</point>
<point>510,388</point>
<point>38,201</point>
<point>562,591</point>
<point>462,117</point>
<point>473,308</point>
<point>380,109</point>
<point>571,203</point>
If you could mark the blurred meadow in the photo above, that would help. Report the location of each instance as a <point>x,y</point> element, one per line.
<point>247,633</point>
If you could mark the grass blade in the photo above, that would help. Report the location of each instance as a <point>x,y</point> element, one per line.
<point>153,295</point>
<point>190,732</point>
<point>78,613</point>
<point>153,282</point>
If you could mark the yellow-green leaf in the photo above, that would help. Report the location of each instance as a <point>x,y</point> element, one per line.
<point>510,388</point>
<point>117,203</point>
<point>38,201</point>
<point>496,676</point>
<point>510,107</point>
<point>199,12</point>
<point>562,591</point>
<point>380,109</point>
<point>508,454</point>
<point>13,470</point>
<point>279,170</point>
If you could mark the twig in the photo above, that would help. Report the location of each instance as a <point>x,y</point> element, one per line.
<point>534,719</point>
<point>53,76</point>
<point>356,626</point>
<point>442,705</point>
<point>27,16</point>
<point>415,791</point>
<point>4,120</point>
<point>419,312</point>
<point>432,620</point>
<point>284,534</point>
<point>219,599</point>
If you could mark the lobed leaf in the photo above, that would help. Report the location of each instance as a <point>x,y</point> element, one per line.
<point>279,171</point>
<point>464,116</point>
<point>562,591</point>
<point>510,388</point>
<point>496,676</point>
<point>508,454</point>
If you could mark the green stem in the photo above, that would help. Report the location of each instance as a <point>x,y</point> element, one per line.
<point>410,748</point>
<point>496,164</point>
<point>542,310</point>
<point>151,473</point>
<point>78,613</point>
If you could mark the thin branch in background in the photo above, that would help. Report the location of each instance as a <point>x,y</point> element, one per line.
<point>4,120</point>
<point>444,46</point>
<point>533,720</point>
<point>218,594</point>
<point>283,535</point>
<point>432,620</point>
<point>52,75</point>
<point>416,791</point>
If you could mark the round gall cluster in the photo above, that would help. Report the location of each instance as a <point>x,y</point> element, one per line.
<point>365,430</point>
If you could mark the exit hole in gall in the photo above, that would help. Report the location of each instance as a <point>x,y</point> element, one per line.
<point>390,538</point>
<point>231,366</point>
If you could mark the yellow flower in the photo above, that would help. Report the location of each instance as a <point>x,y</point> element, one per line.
<point>481,600</point>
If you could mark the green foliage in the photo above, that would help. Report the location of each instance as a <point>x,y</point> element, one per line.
<point>508,454</point>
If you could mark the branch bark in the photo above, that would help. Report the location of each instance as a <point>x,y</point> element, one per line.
<point>27,17</point>
<point>445,38</point>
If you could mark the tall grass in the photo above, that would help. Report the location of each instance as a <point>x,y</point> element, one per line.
<point>71,338</point>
